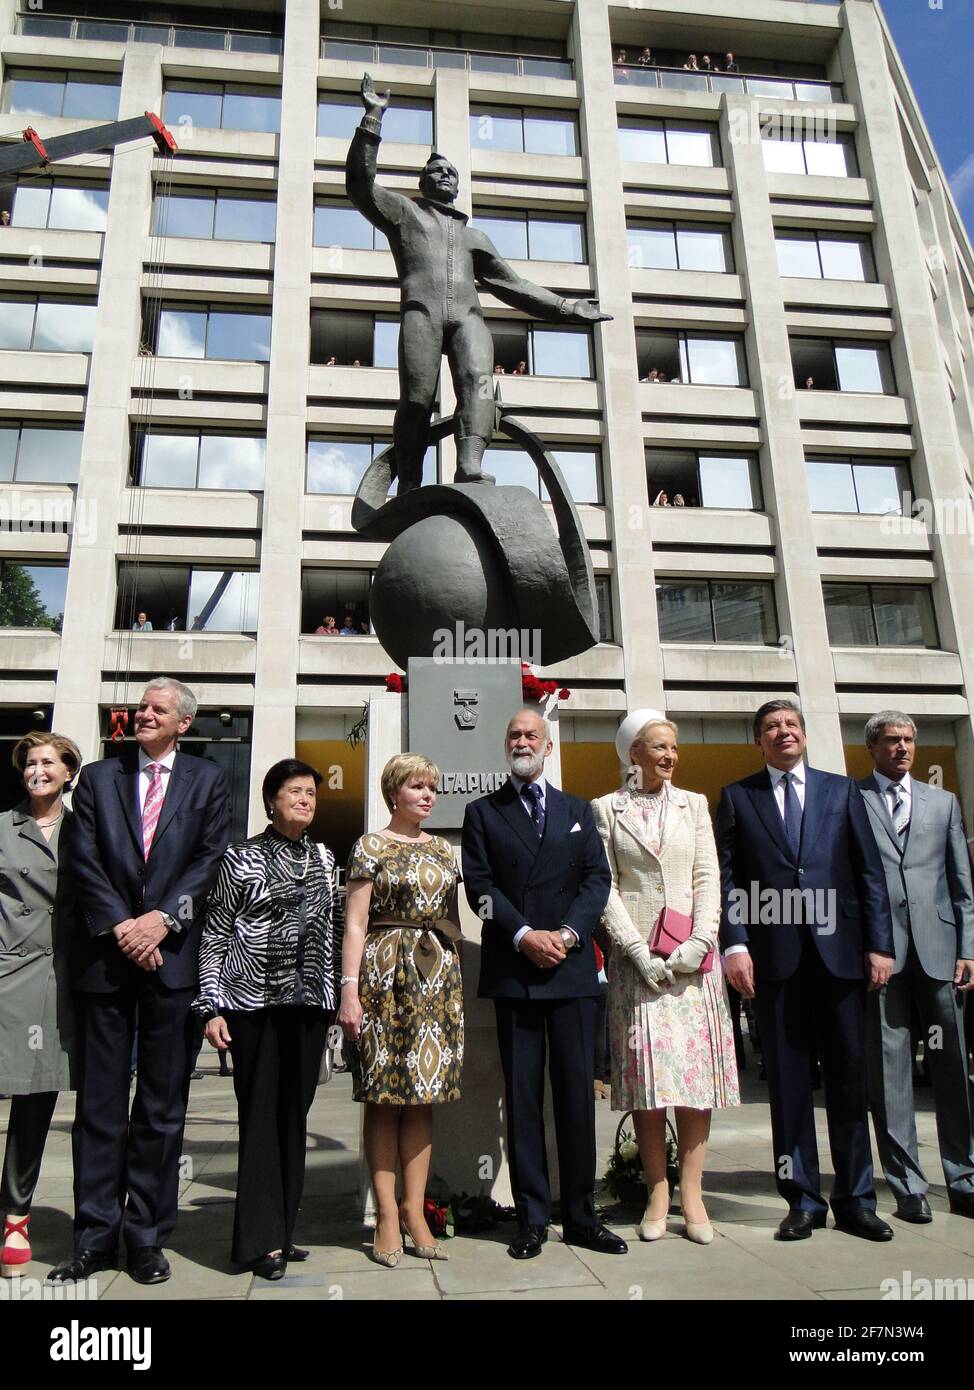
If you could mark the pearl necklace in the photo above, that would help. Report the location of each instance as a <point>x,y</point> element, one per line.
<point>300,877</point>
<point>45,824</point>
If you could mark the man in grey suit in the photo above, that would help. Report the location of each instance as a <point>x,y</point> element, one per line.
<point>920,835</point>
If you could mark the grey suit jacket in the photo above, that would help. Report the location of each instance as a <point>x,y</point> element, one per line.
<point>928,881</point>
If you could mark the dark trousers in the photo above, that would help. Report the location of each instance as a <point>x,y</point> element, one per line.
<point>27,1129</point>
<point>891,1053</point>
<point>118,1154</point>
<point>815,1009</point>
<point>276,1057</point>
<point>565,1029</point>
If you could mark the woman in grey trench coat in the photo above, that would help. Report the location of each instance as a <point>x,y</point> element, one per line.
<point>35,998</point>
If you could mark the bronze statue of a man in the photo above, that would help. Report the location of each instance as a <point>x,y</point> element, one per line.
<point>441,259</point>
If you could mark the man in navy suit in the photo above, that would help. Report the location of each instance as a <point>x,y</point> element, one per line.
<point>536,872</point>
<point>805,925</point>
<point>145,843</point>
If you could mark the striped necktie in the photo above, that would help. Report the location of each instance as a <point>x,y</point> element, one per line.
<point>152,809</point>
<point>900,813</point>
<point>532,795</point>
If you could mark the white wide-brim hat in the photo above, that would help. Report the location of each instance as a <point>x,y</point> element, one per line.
<point>630,727</point>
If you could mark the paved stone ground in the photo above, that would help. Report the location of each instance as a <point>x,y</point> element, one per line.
<point>744,1262</point>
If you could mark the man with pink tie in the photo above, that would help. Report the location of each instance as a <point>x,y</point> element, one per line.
<point>146,839</point>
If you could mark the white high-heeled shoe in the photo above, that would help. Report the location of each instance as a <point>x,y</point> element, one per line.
<point>700,1232</point>
<point>652,1230</point>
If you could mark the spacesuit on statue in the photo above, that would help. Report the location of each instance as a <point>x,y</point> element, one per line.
<point>441,260</point>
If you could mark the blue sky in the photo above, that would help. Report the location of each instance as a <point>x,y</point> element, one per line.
<point>937,49</point>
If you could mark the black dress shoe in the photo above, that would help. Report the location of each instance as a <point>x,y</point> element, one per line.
<point>148,1265</point>
<point>294,1254</point>
<point>866,1224</point>
<point>270,1266</point>
<point>914,1208</point>
<point>82,1264</point>
<point>799,1225</point>
<point>528,1242</point>
<point>961,1203</point>
<point>598,1238</point>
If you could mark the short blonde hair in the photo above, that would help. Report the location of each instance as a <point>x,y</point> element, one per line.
<point>66,749</point>
<point>398,771</point>
<point>643,735</point>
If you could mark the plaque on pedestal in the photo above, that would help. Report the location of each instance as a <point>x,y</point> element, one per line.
<point>457,716</point>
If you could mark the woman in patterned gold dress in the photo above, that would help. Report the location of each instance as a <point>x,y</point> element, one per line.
<point>402,998</point>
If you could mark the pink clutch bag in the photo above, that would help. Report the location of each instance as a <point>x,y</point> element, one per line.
<point>671,930</point>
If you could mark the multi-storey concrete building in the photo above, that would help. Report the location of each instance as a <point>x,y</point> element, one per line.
<point>198,361</point>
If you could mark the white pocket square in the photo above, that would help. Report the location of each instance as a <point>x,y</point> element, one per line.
<point>576,826</point>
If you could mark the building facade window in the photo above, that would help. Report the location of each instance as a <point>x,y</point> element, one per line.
<point>125,29</point>
<point>339,224</point>
<point>703,478</point>
<point>49,92</point>
<point>534,236</point>
<point>350,338</point>
<point>645,141</point>
<point>580,467</point>
<point>824,256</point>
<point>407,121</point>
<point>342,594</point>
<point>517,56</point>
<point>711,610</point>
<point>880,615</point>
<point>32,595</point>
<point>834,158</point>
<point>697,359</point>
<point>214,216</point>
<point>523,130</point>
<point>336,465</point>
<point>529,349</point>
<point>75,207</point>
<point>832,364</point>
<point>603,599</point>
<point>215,462</point>
<point>679,246</point>
<point>34,453</point>
<point>187,598</point>
<point>873,487</point>
<point>221,106</point>
<point>46,325</point>
<point>230,335</point>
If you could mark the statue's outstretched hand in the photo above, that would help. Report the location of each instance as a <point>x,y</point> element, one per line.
<point>370,97</point>
<point>588,309</point>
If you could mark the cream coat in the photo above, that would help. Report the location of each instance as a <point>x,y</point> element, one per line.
<point>685,876</point>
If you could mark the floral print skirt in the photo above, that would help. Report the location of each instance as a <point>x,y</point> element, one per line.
<point>676,1048</point>
<point>410,1051</point>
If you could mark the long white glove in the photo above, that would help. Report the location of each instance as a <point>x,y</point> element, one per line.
<point>688,956</point>
<point>654,969</point>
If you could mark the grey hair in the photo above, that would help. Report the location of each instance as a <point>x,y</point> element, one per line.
<point>526,709</point>
<point>878,722</point>
<point>186,702</point>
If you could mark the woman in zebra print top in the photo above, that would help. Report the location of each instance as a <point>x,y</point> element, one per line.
<point>267,991</point>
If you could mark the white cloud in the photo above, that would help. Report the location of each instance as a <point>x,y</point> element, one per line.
<point>962,180</point>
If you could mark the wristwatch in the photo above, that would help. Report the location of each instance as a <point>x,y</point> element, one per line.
<point>569,938</point>
<point>170,922</point>
<point>348,980</point>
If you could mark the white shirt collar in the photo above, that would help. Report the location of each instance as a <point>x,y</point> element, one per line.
<point>166,762</point>
<point>521,782</point>
<point>776,774</point>
<point>884,783</point>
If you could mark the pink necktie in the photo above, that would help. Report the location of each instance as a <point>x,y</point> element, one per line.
<point>152,809</point>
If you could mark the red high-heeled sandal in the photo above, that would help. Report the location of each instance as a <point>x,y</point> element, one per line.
<point>10,1255</point>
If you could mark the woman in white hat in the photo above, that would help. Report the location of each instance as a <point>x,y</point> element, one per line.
<point>669,1025</point>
